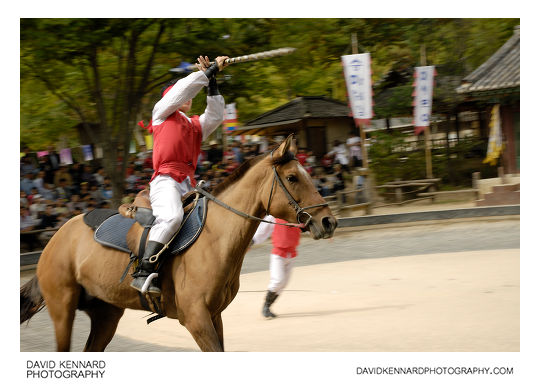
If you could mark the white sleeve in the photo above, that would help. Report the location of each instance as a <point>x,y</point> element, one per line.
<point>184,90</point>
<point>213,115</point>
<point>264,230</point>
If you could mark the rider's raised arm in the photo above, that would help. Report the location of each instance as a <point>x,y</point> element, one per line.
<point>215,109</point>
<point>184,90</point>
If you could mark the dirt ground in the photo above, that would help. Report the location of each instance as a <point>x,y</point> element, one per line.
<point>453,302</point>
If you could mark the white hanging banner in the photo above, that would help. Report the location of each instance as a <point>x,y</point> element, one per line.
<point>357,71</point>
<point>423,95</point>
<point>230,122</point>
<point>230,111</point>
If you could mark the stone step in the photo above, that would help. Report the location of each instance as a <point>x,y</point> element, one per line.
<point>505,187</point>
<point>500,198</point>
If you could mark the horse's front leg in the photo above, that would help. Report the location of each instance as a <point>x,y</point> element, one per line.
<point>218,325</point>
<point>199,323</point>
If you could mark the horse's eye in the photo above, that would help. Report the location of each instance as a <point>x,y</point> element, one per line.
<point>292,178</point>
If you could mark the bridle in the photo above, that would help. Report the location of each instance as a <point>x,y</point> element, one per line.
<point>301,213</point>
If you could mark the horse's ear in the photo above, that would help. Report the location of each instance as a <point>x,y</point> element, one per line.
<point>288,145</point>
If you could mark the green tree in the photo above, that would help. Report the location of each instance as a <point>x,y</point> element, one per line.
<point>101,70</point>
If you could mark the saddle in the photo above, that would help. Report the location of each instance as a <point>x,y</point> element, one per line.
<point>126,229</point>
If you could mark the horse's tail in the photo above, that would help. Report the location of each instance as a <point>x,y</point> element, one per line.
<point>31,299</point>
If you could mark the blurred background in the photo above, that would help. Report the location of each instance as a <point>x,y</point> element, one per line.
<point>86,83</point>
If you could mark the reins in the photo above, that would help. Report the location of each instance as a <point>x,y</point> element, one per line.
<point>211,197</point>
<point>300,211</point>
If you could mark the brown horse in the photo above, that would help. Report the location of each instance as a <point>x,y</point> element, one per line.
<point>75,272</point>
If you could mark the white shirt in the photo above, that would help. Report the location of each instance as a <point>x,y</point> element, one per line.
<point>184,90</point>
<point>341,154</point>
<point>354,146</point>
<point>264,230</point>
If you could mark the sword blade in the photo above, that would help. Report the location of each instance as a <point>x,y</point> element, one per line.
<point>247,58</point>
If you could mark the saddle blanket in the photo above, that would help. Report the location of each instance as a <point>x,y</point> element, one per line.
<point>112,232</point>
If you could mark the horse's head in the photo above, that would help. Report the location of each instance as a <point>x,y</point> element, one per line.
<point>292,196</point>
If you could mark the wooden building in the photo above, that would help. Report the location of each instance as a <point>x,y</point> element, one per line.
<point>497,81</point>
<point>316,122</point>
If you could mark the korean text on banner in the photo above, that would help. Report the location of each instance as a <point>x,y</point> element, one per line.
<point>357,71</point>
<point>423,94</point>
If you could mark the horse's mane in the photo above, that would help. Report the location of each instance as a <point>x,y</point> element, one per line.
<point>245,166</point>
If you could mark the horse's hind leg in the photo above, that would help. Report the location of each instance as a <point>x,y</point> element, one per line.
<point>62,304</point>
<point>104,319</point>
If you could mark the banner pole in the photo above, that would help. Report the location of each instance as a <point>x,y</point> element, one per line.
<point>427,130</point>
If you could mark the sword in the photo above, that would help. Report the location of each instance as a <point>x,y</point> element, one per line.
<point>242,59</point>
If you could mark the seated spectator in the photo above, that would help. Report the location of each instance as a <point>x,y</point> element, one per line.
<point>327,162</point>
<point>338,180</point>
<point>28,164</point>
<point>133,180</point>
<point>37,206</point>
<point>28,241</point>
<point>60,208</point>
<point>302,156</point>
<point>76,175</point>
<point>214,154</point>
<point>95,194</point>
<point>87,175</point>
<point>99,176</point>
<point>230,165</point>
<point>84,191</point>
<point>63,191</point>
<point>62,173</point>
<point>47,192</point>
<point>24,199</point>
<point>28,222</point>
<point>128,198</point>
<point>91,204</point>
<point>33,192</point>
<point>142,155</point>
<point>27,183</point>
<point>48,218</point>
<point>106,189</point>
<point>39,181</point>
<point>75,204</point>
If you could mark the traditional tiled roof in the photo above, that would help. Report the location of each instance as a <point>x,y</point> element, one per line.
<point>500,71</point>
<point>301,108</point>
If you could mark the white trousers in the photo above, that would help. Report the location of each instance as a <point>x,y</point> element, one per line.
<point>166,199</point>
<point>280,272</point>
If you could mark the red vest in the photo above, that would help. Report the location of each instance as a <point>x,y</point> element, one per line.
<point>177,144</point>
<point>285,239</point>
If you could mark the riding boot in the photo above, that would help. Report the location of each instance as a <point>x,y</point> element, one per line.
<point>146,268</point>
<point>270,298</point>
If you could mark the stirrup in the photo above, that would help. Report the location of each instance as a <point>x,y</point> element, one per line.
<point>148,282</point>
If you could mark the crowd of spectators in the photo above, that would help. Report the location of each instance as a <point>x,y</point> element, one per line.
<point>51,193</point>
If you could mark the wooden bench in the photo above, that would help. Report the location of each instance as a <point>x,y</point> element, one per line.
<point>338,203</point>
<point>399,186</point>
<point>443,194</point>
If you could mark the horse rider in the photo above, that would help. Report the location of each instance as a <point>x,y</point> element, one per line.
<point>177,144</point>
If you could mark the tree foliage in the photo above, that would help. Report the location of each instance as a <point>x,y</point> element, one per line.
<point>109,71</point>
